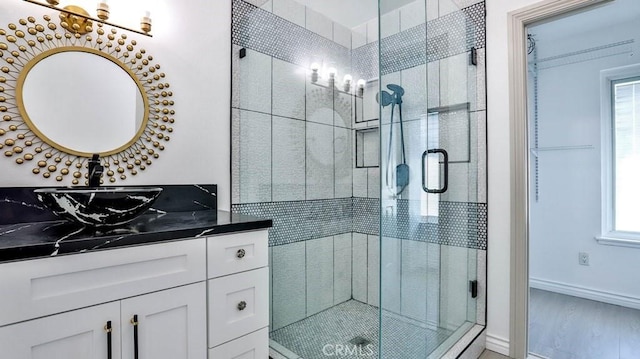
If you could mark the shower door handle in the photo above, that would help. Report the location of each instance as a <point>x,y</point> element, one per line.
<point>445,156</point>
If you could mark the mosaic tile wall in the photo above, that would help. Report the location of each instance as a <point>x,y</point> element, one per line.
<point>460,224</point>
<point>262,31</point>
<point>443,37</point>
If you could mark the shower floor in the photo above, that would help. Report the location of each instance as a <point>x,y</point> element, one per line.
<point>350,322</point>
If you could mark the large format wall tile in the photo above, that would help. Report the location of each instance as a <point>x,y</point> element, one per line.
<point>360,177</point>
<point>360,267</point>
<point>373,183</point>
<point>319,105</point>
<point>254,157</point>
<point>288,99</point>
<point>290,10</point>
<point>373,270</point>
<point>454,287</point>
<point>289,284</point>
<point>341,35</point>
<point>255,83</point>
<point>454,88</point>
<point>390,273</point>
<point>288,159</point>
<point>412,15</point>
<point>319,274</point>
<point>414,280</point>
<point>319,24</point>
<point>342,271</point>
<point>390,23</point>
<point>320,170</point>
<point>414,101</point>
<point>343,162</point>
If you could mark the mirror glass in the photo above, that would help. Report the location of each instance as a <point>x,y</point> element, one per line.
<point>83,102</point>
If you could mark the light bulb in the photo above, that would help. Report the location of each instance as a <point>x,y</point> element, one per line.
<point>361,84</point>
<point>145,22</point>
<point>103,10</point>
<point>332,73</point>
<point>346,82</point>
<point>314,72</point>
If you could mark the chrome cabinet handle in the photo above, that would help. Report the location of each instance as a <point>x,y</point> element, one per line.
<point>241,253</point>
<point>242,305</point>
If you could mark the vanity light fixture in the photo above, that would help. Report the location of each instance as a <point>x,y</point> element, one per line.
<point>361,84</point>
<point>314,72</point>
<point>79,21</point>
<point>346,82</point>
<point>102,10</point>
<point>145,22</point>
<point>332,75</point>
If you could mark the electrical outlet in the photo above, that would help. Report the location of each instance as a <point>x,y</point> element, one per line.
<point>583,258</point>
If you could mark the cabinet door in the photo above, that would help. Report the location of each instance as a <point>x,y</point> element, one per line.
<point>79,334</point>
<point>171,324</point>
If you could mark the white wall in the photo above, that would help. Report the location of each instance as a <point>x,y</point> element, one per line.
<point>566,218</point>
<point>196,58</point>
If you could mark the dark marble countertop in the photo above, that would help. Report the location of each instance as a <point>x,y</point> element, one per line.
<point>52,238</point>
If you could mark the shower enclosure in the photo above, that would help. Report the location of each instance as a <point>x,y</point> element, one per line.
<point>361,132</point>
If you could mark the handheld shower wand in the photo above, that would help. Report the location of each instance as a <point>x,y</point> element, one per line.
<point>401,170</point>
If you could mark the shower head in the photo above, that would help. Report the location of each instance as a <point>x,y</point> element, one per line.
<point>396,89</point>
<point>386,100</point>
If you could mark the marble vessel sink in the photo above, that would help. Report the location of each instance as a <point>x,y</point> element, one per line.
<point>98,206</point>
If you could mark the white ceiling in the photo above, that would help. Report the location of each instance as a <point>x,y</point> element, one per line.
<point>352,13</point>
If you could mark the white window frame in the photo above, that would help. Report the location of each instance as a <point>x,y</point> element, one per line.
<point>608,235</point>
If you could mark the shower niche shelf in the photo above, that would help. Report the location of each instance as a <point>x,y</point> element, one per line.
<point>368,147</point>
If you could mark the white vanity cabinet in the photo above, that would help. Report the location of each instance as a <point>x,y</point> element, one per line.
<point>171,324</point>
<point>185,299</point>
<point>238,288</point>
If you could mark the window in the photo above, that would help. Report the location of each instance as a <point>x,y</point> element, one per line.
<point>626,154</point>
<point>621,156</point>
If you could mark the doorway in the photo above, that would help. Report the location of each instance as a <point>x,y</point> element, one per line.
<point>576,150</point>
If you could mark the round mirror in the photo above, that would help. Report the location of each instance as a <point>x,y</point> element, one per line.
<point>73,95</point>
<point>81,101</point>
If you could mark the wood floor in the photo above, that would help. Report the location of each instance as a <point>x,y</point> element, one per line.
<point>487,354</point>
<point>566,327</point>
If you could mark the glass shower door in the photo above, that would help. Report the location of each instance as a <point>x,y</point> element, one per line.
<point>429,179</point>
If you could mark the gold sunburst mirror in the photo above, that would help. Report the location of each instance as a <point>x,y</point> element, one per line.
<point>66,95</point>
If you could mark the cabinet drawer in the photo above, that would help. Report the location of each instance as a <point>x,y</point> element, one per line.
<point>238,304</point>
<point>251,346</point>
<point>40,287</point>
<point>233,253</point>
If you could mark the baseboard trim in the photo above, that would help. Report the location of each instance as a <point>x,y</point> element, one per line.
<point>587,293</point>
<point>497,344</point>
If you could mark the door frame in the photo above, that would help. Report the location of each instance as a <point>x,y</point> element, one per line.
<point>517,21</point>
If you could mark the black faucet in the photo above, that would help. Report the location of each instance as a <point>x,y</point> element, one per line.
<point>95,171</point>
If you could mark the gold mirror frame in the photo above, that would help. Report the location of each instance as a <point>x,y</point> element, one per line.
<point>30,42</point>
<point>25,116</point>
